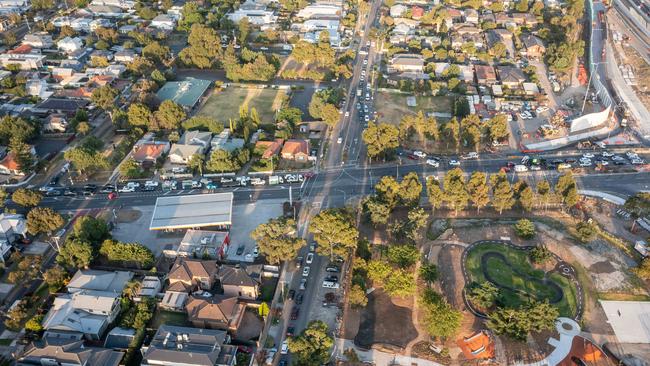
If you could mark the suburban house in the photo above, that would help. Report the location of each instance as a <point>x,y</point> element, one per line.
<point>163,21</point>
<point>417,12</point>
<point>193,273</point>
<point>55,351</point>
<point>96,280</point>
<point>85,313</point>
<point>55,123</point>
<point>268,149</point>
<point>172,346</point>
<point>12,227</point>
<point>70,45</point>
<point>510,76</point>
<point>199,244</point>
<point>181,154</point>
<point>26,61</point>
<point>186,92</point>
<point>195,137</point>
<point>534,46</point>
<point>69,107</point>
<point>148,153</point>
<point>470,15</point>
<point>397,10</point>
<point>124,56</point>
<point>217,312</point>
<point>407,63</point>
<point>9,164</point>
<point>485,74</point>
<point>38,40</point>
<point>224,141</point>
<point>238,281</point>
<point>320,10</point>
<point>297,150</point>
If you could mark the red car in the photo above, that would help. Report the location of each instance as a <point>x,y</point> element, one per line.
<point>112,196</point>
<point>294,313</point>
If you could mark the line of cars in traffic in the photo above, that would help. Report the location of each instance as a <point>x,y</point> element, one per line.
<point>587,160</point>
<point>53,189</point>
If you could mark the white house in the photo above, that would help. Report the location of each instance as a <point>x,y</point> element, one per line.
<point>26,61</point>
<point>255,13</point>
<point>96,280</point>
<point>181,154</point>
<point>12,228</point>
<point>320,10</point>
<point>38,40</point>
<point>164,22</point>
<point>37,88</point>
<point>397,11</point>
<point>86,313</point>
<point>70,45</point>
<point>81,24</point>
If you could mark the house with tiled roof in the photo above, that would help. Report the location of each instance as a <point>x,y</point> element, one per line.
<point>268,149</point>
<point>9,164</point>
<point>148,153</point>
<point>193,273</point>
<point>297,150</point>
<point>485,74</point>
<point>181,154</point>
<point>534,46</point>
<point>511,76</point>
<point>217,312</point>
<point>239,280</point>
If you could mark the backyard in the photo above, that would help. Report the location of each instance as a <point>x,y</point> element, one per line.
<point>391,107</point>
<point>223,104</point>
<point>518,281</point>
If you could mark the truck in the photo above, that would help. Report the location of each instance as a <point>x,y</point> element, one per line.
<point>275,179</point>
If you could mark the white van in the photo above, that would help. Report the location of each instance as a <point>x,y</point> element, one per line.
<point>521,168</point>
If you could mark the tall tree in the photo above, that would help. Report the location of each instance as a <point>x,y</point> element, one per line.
<point>455,193</point>
<point>502,194</point>
<point>388,191</point>
<point>434,193</point>
<point>567,189</point>
<point>43,220</point>
<point>380,139</point>
<point>483,295</point>
<point>440,318</point>
<point>56,277</point>
<point>169,115</point>
<point>104,98</point>
<point>377,210</point>
<point>544,192</point>
<point>277,240</point>
<point>478,190</point>
<point>335,233</point>
<point>26,197</point>
<point>638,206</point>
<point>312,346</point>
<point>410,189</point>
<point>75,254</point>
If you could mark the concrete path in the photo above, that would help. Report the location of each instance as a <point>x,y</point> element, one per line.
<point>376,357</point>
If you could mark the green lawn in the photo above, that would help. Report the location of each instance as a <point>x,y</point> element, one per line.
<point>170,318</point>
<point>224,104</point>
<point>519,282</point>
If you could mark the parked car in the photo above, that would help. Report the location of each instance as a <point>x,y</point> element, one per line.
<point>454,163</point>
<point>303,286</point>
<point>433,163</point>
<point>300,295</point>
<point>419,154</point>
<point>332,268</point>
<point>285,348</point>
<point>295,313</point>
<point>310,258</point>
<point>588,155</point>
<point>292,294</point>
<point>305,271</point>
<point>240,250</point>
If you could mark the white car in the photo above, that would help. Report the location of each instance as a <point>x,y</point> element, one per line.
<point>339,140</point>
<point>365,62</point>
<point>602,162</point>
<point>433,163</point>
<point>256,252</point>
<point>127,189</point>
<point>151,183</point>
<point>541,109</point>
<point>285,348</point>
<point>419,154</point>
<point>535,167</point>
<point>607,154</point>
<point>347,113</point>
<point>454,163</point>
<point>366,118</point>
<point>588,155</point>
<point>637,161</point>
<point>584,163</point>
<point>310,258</point>
<point>631,155</point>
<point>305,271</point>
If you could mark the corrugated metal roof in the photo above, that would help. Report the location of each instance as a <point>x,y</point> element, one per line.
<point>183,212</point>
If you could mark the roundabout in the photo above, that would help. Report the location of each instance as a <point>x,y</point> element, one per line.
<point>518,280</point>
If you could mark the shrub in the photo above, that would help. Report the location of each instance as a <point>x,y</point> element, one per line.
<point>525,229</point>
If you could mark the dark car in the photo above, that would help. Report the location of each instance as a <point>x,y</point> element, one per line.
<point>292,294</point>
<point>290,331</point>
<point>557,161</point>
<point>299,298</point>
<point>332,279</point>
<point>54,181</point>
<point>332,268</point>
<point>90,187</point>
<point>294,313</point>
<point>620,162</point>
<point>108,188</point>
<point>69,192</point>
<point>54,192</point>
<point>570,161</point>
<point>282,363</point>
<point>240,250</point>
<point>149,188</point>
<point>413,157</point>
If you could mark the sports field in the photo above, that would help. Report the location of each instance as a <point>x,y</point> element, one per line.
<point>224,104</point>
<point>510,270</point>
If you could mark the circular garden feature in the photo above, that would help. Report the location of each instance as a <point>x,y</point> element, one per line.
<point>509,268</point>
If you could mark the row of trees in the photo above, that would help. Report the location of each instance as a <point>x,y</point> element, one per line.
<point>457,192</point>
<point>323,105</point>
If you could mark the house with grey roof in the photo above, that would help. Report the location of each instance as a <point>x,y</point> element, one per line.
<point>173,345</point>
<point>91,279</point>
<point>239,281</point>
<point>57,351</point>
<point>85,313</point>
<point>119,338</point>
<point>224,141</point>
<point>186,92</point>
<point>181,154</point>
<point>195,137</point>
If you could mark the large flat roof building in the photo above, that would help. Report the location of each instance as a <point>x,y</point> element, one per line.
<point>185,93</point>
<point>192,212</point>
<point>630,320</point>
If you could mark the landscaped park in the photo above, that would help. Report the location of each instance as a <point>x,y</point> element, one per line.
<point>509,268</point>
<point>224,103</point>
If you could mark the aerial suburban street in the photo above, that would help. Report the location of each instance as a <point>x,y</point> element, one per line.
<point>324,182</point>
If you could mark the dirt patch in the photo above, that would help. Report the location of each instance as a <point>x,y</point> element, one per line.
<point>422,350</point>
<point>451,275</point>
<point>602,267</point>
<point>383,323</point>
<point>126,216</point>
